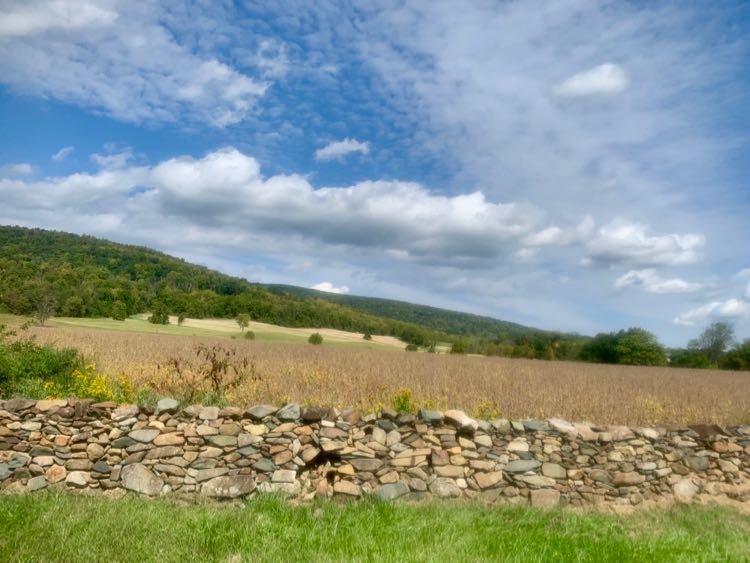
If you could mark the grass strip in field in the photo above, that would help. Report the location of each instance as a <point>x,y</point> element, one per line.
<point>62,527</point>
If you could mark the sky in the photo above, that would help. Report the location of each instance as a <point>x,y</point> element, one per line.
<point>574,165</point>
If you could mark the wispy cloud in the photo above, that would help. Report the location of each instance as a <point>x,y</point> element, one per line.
<point>339,149</point>
<point>17,169</point>
<point>729,309</point>
<point>603,80</point>
<point>652,282</point>
<point>62,154</point>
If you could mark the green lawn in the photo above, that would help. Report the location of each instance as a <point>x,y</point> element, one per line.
<point>63,527</point>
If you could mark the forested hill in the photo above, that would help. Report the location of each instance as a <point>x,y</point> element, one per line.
<point>443,320</point>
<point>88,277</point>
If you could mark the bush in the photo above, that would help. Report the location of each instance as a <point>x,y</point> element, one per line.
<point>159,315</point>
<point>411,347</point>
<point>26,365</point>
<point>403,401</point>
<point>367,336</point>
<point>315,338</point>
<point>249,335</point>
<point>119,311</point>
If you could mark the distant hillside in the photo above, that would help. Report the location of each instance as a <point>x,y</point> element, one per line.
<point>442,320</point>
<point>88,277</point>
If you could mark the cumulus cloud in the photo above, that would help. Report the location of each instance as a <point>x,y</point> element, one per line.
<point>652,282</point>
<point>604,80</point>
<point>548,236</point>
<point>340,149</point>
<point>623,242</point>
<point>122,58</point>
<point>17,169</point>
<point>225,193</point>
<point>330,288</point>
<point>62,154</point>
<point>729,309</point>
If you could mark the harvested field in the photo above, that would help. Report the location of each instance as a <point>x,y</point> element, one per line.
<point>487,387</point>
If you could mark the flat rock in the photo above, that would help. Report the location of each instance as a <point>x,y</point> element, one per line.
<point>627,479</point>
<point>167,405</point>
<point>444,488</point>
<point>289,412</point>
<point>554,470</point>
<point>284,476</point>
<point>488,480</point>
<point>171,439</point>
<point>50,404</point>
<point>562,426</point>
<point>77,479</point>
<point>431,417</point>
<point>391,491</point>
<point>259,412</point>
<point>347,488</point>
<point>366,464</point>
<point>56,473</point>
<point>123,412</point>
<point>208,413</point>
<point>36,483</point>
<point>144,435</point>
<point>229,486</point>
<point>522,465</point>
<point>221,441</point>
<point>139,478</point>
<point>697,463</point>
<point>461,421</point>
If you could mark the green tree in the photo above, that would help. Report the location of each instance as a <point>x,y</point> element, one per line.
<point>119,311</point>
<point>737,358</point>
<point>459,347</point>
<point>367,336</point>
<point>714,340</point>
<point>411,347</point>
<point>180,319</point>
<point>639,347</point>
<point>600,349</point>
<point>74,307</point>
<point>686,358</point>
<point>243,319</point>
<point>159,314</point>
<point>315,338</point>
<point>44,308</point>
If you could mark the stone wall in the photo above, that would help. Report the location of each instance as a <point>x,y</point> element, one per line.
<point>310,452</point>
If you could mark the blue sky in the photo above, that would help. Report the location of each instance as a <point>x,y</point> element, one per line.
<point>569,164</point>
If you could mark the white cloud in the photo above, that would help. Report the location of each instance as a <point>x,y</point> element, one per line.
<point>330,288</point>
<point>729,309</point>
<point>62,154</point>
<point>224,192</point>
<point>33,17</point>
<point>339,149</point>
<point>747,292</point>
<point>743,274</point>
<point>17,169</point>
<point>651,282</point>
<point>630,243</point>
<point>120,58</point>
<point>548,236</point>
<point>603,80</point>
<point>114,159</point>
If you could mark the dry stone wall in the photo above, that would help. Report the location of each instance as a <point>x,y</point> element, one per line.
<point>316,452</point>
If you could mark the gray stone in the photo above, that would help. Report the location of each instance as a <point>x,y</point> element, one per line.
<point>289,412</point>
<point>167,405</point>
<point>38,451</point>
<point>627,479</point>
<point>221,441</point>
<point>36,483</point>
<point>391,491</point>
<point>522,466</point>
<point>144,435</point>
<point>78,464</point>
<point>347,488</point>
<point>208,413</point>
<point>366,464</point>
<point>431,417</point>
<point>164,451</point>
<point>123,412</point>
<point>445,488</point>
<point>685,489</point>
<point>123,442</point>
<point>697,463</point>
<point>206,474</point>
<point>5,471</point>
<point>259,412</point>
<point>139,478</point>
<point>16,405</point>
<point>77,479</point>
<point>284,476</point>
<point>101,467</point>
<point>554,470</point>
<point>535,425</point>
<point>264,465</point>
<point>600,476</point>
<point>461,420</point>
<point>229,486</point>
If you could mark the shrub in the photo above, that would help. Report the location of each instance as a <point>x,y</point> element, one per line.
<point>181,319</point>
<point>119,311</point>
<point>411,347</point>
<point>315,338</point>
<point>159,315</point>
<point>26,365</point>
<point>249,335</point>
<point>367,336</point>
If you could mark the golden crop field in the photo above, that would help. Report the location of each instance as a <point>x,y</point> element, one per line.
<point>367,379</point>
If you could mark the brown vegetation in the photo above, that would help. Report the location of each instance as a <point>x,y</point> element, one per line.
<point>368,379</point>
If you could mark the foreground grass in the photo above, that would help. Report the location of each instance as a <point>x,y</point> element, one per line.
<point>63,527</point>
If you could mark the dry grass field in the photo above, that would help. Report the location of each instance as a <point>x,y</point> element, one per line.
<point>369,378</point>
